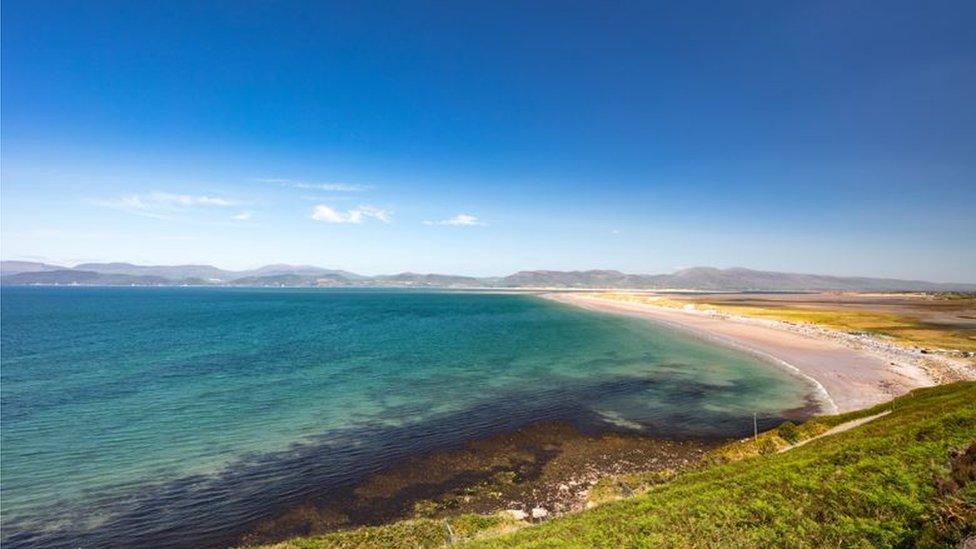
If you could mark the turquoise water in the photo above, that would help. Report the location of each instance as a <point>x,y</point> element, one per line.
<point>177,416</point>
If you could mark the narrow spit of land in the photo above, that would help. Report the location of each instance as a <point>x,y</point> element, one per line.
<point>854,370</point>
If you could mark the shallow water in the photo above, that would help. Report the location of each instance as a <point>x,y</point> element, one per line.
<point>178,416</point>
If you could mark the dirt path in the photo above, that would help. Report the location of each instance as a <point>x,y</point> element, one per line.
<point>839,429</point>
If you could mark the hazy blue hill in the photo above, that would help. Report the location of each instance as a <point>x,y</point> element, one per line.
<point>74,276</point>
<point>580,279</point>
<point>15,267</point>
<point>415,279</point>
<point>210,273</point>
<point>709,278</point>
<point>292,280</point>
<point>696,278</point>
<point>171,272</point>
<point>284,269</point>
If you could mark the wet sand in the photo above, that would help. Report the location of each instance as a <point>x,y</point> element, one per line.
<point>850,378</point>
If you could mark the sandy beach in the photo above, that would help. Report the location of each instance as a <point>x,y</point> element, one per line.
<point>847,372</point>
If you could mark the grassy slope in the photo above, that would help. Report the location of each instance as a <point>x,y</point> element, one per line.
<point>874,485</point>
<point>870,486</point>
<point>409,534</point>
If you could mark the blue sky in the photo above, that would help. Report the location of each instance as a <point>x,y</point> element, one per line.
<point>486,137</point>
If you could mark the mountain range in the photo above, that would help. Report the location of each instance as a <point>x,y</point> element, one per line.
<point>280,275</point>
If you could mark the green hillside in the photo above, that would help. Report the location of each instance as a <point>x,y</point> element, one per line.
<point>905,479</point>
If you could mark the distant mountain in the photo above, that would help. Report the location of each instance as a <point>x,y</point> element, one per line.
<point>209,272</point>
<point>171,272</point>
<point>283,269</point>
<point>697,278</point>
<point>14,267</point>
<point>88,278</point>
<point>709,278</point>
<point>293,280</point>
<point>712,279</point>
<point>574,279</point>
<point>435,280</point>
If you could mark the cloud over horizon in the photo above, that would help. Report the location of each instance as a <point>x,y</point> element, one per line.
<point>164,205</point>
<point>331,187</point>
<point>357,215</point>
<point>459,220</point>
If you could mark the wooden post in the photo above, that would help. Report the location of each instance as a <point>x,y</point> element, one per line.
<point>755,428</point>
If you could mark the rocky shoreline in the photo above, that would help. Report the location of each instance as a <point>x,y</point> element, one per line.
<point>537,472</point>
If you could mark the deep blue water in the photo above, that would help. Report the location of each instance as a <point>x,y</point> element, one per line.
<point>178,416</point>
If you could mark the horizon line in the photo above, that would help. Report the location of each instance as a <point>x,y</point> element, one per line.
<point>480,277</point>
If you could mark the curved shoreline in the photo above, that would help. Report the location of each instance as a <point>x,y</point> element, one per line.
<point>846,378</point>
<point>827,404</point>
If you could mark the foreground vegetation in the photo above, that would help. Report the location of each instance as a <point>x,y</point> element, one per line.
<point>907,478</point>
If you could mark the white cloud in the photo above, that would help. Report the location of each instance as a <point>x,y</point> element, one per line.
<point>188,200</point>
<point>161,205</point>
<point>460,220</point>
<point>356,215</point>
<point>242,216</point>
<point>331,187</point>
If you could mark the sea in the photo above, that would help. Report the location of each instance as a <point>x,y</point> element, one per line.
<point>178,417</point>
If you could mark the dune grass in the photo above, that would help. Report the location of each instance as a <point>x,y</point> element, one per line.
<point>899,480</point>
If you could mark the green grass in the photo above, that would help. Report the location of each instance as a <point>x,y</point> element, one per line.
<point>410,534</point>
<point>872,486</point>
<point>889,483</point>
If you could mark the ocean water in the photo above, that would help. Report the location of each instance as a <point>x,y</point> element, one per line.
<point>178,416</point>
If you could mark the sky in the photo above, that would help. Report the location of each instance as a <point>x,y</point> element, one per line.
<point>482,138</point>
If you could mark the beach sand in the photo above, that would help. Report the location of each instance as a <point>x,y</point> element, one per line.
<point>848,377</point>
